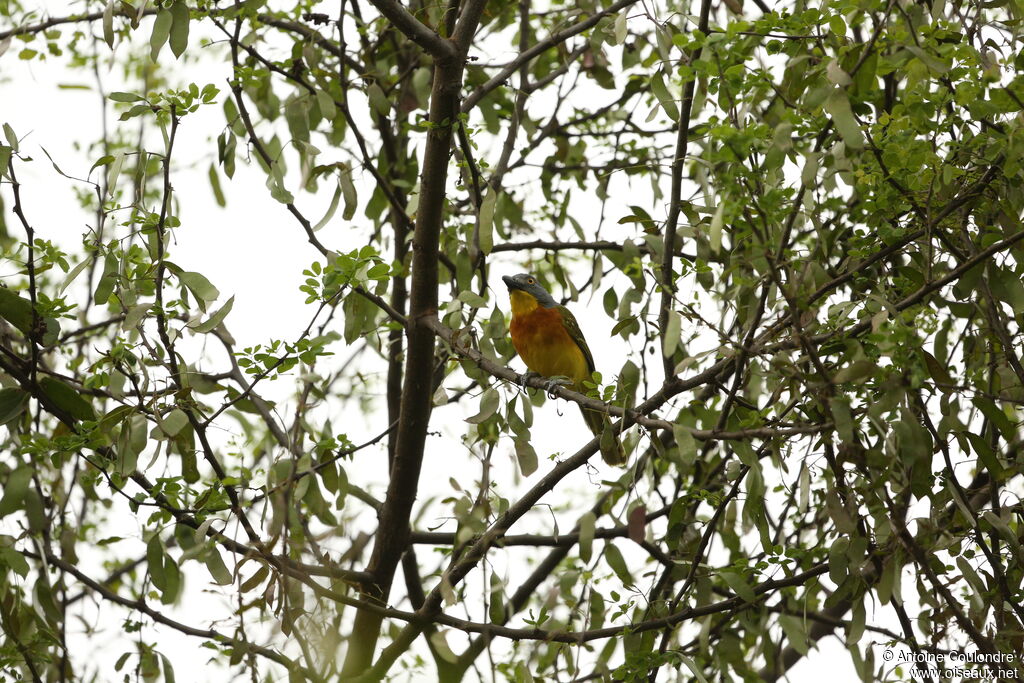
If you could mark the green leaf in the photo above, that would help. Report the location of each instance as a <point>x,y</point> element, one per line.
<point>1007,287</point>
<point>379,102</point>
<point>488,406</point>
<point>16,310</point>
<point>15,489</point>
<point>472,299</point>
<point>855,371</point>
<point>597,609</point>
<point>161,31</point>
<point>694,669</point>
<point>12,404</point>
<point>348,190</point>
<point>201,288</point>
<point>587,523</point>
<point>5,159</point>
<point>218,570</point>
<point>685,443</point>
<point>173,422</point>
<point>795,631</point>
<point>278,191</point>
<point>332,208</point>
<point>661,92</point>
<point>837,104</point>
<point>108,24</point>
<point>179,28</point>
<point>670,342</point>
<point>113,172</point>
<point>173,581</point>
<point>12,558</point>
<point>216,318</point>
<point>1008,534</point>
<point>486,231</point>
<point>255,580</point>
<point>107,281</point>
<point>439,639</point>
<point>620,28</point>
<point>837,25</point>
<point>12,139</point>
<point>168,669</point>
<point>838,560</point>
<point>130,443</point>
<point>985,454</point>
<point>715,229</point>
<point>496,606</point>
<point>326,104</point>
<point>64,397</point>
<point>739,586</point>
<point>218,192</point>
<point>613,556</point>
<point>526,456</point>
<point>155,558</point>
<point>937,371</point>
<point>971,576</point>
<point>843,418</point>
<point>931,61</point>
<point>998,418</point>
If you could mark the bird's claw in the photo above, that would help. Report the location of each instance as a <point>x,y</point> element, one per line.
<point>549,386</point>
<point>523,378</point>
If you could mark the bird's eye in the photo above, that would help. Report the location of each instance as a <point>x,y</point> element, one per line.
<point>529,281</point>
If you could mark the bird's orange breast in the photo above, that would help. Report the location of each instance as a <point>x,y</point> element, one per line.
<point>544,345</point>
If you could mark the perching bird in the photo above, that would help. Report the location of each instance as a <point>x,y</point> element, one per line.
<point>548,339</point>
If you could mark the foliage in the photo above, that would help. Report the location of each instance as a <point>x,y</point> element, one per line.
<point>802,224</point>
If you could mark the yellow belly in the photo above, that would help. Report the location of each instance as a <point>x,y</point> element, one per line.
<point>549,350</point>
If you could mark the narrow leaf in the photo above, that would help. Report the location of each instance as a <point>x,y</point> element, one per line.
<point>161,31</point>
<point>179,28</point>
<point>218,570</point>
<point>586,546</point>
<point>348,190</point>
<point>332,208</point>
<point>614,558</point>
<point>661,92</point>
<point>108,24</point>
<point>218,192</point>
<point>526,456</point>
<point>670,342</point>
<point>216,318</point>
<point>486,231</point>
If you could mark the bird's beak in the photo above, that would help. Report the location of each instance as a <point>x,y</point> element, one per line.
<point>510,283</point>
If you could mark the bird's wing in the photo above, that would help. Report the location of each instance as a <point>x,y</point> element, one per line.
<point>573,328</point>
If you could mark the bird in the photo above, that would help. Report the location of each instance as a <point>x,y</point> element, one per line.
<point>549,340</point>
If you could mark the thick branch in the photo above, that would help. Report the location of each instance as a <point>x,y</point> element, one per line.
<point>668,287</point>
<point>415,30</point>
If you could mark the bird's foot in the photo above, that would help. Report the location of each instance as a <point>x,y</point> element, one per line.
<point>553,382</point>
<point>522,379</point>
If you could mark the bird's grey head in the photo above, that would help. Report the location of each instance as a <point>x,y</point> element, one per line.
<point>524,282</point>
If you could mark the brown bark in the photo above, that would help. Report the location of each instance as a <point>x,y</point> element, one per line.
<point>392,536</point>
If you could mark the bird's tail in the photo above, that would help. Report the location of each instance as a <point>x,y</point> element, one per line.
<point>601,425</point>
